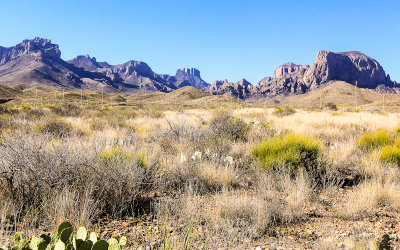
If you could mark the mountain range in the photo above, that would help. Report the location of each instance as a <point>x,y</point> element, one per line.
<point>38,62</point>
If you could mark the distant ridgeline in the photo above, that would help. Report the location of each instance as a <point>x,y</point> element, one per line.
<point>38,62</point>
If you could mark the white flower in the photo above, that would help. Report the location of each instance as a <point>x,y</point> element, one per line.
<point>196,155</point>
<point>229,160</point>
<point>183,158</point>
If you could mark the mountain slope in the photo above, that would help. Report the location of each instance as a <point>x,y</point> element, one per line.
<point>134,76</point>
<point>35,62</point>
<point>38,62</point>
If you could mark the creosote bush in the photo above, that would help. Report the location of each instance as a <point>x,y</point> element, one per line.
<point>291,151</point>
<point>374,140</point>
<point>226,125</point>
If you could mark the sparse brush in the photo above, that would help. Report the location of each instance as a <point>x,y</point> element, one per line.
<point>225,125</point>
<point>67,109</point>
<point>56,127</point>
<point>36,113</point>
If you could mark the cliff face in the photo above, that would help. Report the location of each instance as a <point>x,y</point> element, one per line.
<point>189,77</point>
<point>290,70</point>
<point>352,67</point>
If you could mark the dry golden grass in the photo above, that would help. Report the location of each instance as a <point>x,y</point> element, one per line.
<point>224,190</point>
<point>370,195</point>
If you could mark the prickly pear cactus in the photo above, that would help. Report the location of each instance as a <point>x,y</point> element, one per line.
<point>65,240</point>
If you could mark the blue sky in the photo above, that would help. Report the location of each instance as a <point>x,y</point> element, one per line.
<point>223,39</point>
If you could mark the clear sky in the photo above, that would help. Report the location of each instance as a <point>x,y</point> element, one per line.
<point>224,39</point>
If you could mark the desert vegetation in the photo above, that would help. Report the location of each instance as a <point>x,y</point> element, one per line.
<point>199,177</point>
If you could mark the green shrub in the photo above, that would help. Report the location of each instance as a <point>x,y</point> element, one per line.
<point>64,239</point>
<point>26,106</point>
<point>280,111</point>
<point>119,155</point>
<point>390,154</point>
<point>374,140</point>
<point>291,151</point>
<point>106,107</point>
<point>49,106</point>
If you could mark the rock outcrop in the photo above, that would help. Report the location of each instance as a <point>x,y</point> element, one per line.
<point>290,70</point>
<point>352,67</point>
<point>241,89</point>
<point>37,47</point>
<point>189,77</point>
<point>349,66</point>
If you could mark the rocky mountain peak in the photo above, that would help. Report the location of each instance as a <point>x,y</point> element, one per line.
<point>189,77</point>
<point>188,72</point>
<point>38,47</point>
<point>243,82</point>
<point>290,70</point>
<point>86,62</point>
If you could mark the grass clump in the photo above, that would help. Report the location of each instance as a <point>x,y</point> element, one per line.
<point>374,140</point>
<point>280,111</point>
<point>292,151</point>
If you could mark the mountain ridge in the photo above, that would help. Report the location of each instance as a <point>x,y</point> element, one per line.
<point>38,62</point>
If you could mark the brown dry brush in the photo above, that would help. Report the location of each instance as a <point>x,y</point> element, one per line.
<point>37,169</point>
